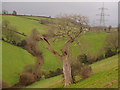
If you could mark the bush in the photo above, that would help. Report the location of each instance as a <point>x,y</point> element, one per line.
<point>109,53</point>
<point>22,43</point>
<point>26,79</point>
<point>14,42</point>
<point>82,58</point>
<point>79,69</point>
<point>29,68</point>
<point>111,42</point>
<point>91,58</point>
<point>38,76</point>
<point>86,71</point>
<point>100,57</point>
<point>45,21</point>
<point>58,71</point>
<point>4,84</point>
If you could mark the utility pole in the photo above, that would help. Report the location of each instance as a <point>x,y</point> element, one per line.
<point>102,15</point>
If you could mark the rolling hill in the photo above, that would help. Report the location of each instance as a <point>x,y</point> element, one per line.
<point>14,58</point>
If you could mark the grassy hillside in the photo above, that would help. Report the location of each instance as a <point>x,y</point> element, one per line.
<point>95,41</point>
<point>14,59</point>
<point>24,25</point>
<point>105,75</point>
<point>91,42</point>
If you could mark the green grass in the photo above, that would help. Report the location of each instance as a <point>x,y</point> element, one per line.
<point>105,75</point>
<point>91,42</point>
<point>24,25</point>
<point>14,59</point>
<point>96,41</point>
<point>105,79</point>
<point>47,82</point>
<point>51,61</point>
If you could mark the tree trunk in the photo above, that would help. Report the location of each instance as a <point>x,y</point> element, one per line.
<point>67,70</point>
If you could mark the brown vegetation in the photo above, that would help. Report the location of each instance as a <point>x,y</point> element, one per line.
<point>34,50</point>
<point>4,84</point>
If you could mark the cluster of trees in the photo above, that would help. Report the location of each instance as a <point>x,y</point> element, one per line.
<point>5,12</point>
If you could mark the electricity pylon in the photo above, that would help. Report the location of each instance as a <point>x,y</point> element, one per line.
<point>102,15</point>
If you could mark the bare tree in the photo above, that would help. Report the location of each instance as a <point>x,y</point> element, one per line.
<point>4,12</point>
<point>110,27</point>
<point>33,49</point>
<point>14,13</point>
<point>68,27</point>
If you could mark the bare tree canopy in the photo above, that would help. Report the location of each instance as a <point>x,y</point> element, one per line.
<point>69,26</point>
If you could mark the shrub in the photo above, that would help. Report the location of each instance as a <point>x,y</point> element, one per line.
<point>58,71</point>
<point>14,42</point>
<point>4,84</point>
<point>29,68</point>
<point>86,71</point>
<point>79,69</point>
<point>38,76</point>
<point>100,57</point>
<point>91,58</point>
<point>109,53</point>
<point>26,79</point>
<point>43,21</point>
<point>82,58</point>
<point>22,43</point>
<point>111,42</point>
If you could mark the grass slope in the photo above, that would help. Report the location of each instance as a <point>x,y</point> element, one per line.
<point>105,75</point>
<point>94,41</point>
<point>92,38</point>
<point>13,61</point>
<point>24,25</point>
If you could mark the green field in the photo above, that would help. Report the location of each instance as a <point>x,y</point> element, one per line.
<point>14,58</point>
<point>105,75</point>
<point>24,25</point>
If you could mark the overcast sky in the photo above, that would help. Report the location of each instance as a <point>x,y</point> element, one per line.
<point>89,9</point>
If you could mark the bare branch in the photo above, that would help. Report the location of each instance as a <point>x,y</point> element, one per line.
<point>49,45</point>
